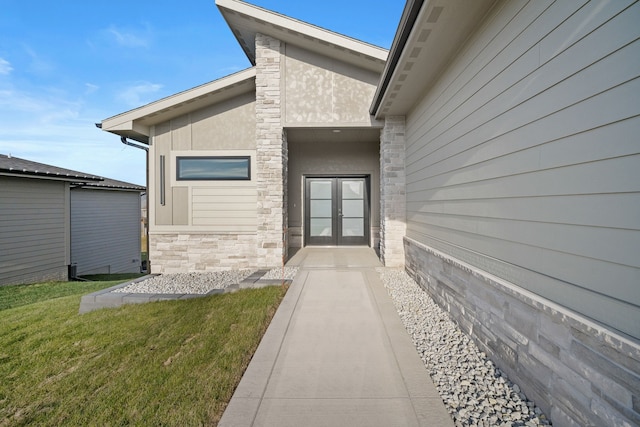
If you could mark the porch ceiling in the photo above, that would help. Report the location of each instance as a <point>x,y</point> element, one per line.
<point>345,135</point>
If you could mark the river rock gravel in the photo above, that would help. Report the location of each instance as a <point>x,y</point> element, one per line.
<point>187,283</point>
<point>474,390</point>
<point>286,273</point>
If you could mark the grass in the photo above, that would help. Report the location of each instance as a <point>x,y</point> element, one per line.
<point>17,295</point>
<point>162,363</point>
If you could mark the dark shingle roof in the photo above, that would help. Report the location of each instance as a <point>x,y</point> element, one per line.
<point>15,166</point>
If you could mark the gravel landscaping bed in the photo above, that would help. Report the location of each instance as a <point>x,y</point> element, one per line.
<point>474,390</point>
<point>187,283</point>
<point>200,283</point>
<point>277,273</point>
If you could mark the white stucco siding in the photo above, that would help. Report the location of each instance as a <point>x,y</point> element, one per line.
<point>105,231</point>
<point>33,230</point>
<point>523,158</point>
<point>228,125</point>
<point>319,90</point>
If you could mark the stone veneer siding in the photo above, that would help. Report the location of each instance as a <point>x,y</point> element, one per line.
<point>579,373</point>
<point>392,192</point>
<point>180,253</point>
<point>271,157</point>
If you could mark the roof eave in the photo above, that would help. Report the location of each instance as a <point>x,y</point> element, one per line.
<point>48,176</point>
<point>112,188</point>
<point>135,124</point>
<point>407,20</point>
<point>429,35</point>
<point>246,20</point>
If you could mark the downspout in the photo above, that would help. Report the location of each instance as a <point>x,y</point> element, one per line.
<point>123,139</point>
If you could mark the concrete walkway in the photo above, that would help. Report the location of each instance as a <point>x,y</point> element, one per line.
<point>336,354</point>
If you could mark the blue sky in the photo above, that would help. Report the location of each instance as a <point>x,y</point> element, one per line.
<point>67,65</point>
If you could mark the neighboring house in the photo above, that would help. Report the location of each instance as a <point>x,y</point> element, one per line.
<point>51,218</point>
<point>105,227</point>
<point>494,155</point>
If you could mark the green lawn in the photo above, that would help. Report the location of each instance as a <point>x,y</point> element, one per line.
<point>163,363</point>
<point>17,295</point>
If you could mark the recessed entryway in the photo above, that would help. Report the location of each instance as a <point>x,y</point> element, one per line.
<point>337,210</point>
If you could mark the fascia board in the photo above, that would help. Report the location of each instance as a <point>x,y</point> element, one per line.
<point>259,20</point>
<point>128,125</point>
<point>407,20</point>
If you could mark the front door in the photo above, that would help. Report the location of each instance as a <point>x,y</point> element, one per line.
<point>337,211</point>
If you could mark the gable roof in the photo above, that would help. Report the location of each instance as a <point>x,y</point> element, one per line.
<point>14,166</point>
<point>246,20</point>
<point>429,35</point>
<point>17,167</point>
<point>135,124</point>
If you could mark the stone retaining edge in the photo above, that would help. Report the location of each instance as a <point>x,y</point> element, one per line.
<point>107,298</point>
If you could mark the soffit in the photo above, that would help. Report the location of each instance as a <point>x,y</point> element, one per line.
<point>342,135</point>
<point>246,20</point>
<point>440,30</point>
<point>135,124</point>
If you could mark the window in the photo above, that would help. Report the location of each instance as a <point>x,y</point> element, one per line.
<point>226,168</point>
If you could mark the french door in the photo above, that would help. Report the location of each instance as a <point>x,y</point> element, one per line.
<point>337,211</point>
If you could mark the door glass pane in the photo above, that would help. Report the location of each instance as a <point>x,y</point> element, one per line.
<point>320,208</point>
<point>353,208</point>
<point>353,227</point>
<point>320,189</point>
<point>352,190</point>
<point>320,227</point>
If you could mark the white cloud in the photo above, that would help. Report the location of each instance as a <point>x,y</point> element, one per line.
<point>90,88</point>
<point>5,66</point>
<point>85,149</point>
<point>39,64</point>
<point>43,107</point>
<point>138,94</point>
<point>15,101</point>
<point>48,124</point>
<point>72,141</point>
<point>127,38</point>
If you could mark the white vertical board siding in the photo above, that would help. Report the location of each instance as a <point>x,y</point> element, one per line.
<point>105,231</point>
<point>33,229</point>
<point>524,157</point>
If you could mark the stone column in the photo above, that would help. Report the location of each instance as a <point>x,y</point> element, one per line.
<point>392,191</point>
<point>271,156</point>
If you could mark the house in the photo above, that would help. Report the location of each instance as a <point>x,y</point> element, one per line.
<point>53,218</point>
<point>492,153</point>
<point>106,227</point>
<point>230,186</point>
